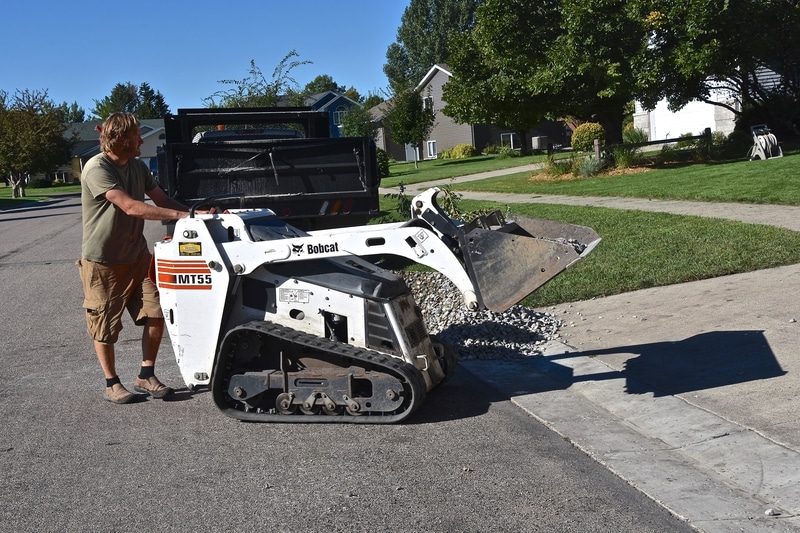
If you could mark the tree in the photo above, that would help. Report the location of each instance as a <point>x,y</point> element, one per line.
<point>353,95</point>
<point>726,47</point>
<point>150,104</point>
<point>525,61</point>
<point>491,81</point>
<point>409,120</point>
<point>357,122</point>
<point>423,36</point>
<point>31,137</point>
<point>255,90</point>
<point>140,100</point>
<point>321,84</point>
<point>372,100</point>
<point>72,112</point>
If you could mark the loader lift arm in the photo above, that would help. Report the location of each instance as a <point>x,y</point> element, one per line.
<point>494,262</point>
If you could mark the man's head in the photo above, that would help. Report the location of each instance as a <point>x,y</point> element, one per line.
<point>120,134</point>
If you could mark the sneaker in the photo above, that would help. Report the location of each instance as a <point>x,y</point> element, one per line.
<point>151,386</point>
<point>119,394</point>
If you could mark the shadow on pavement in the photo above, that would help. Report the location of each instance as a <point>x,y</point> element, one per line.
<point>704,361</point>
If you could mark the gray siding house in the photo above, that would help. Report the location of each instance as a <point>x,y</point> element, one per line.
<point>446,133</point>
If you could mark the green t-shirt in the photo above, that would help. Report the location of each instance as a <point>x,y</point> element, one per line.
<point>109,235</point>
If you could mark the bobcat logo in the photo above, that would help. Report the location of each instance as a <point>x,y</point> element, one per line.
<point>297,249</point>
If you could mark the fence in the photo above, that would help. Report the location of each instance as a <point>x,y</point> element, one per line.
<point>705,136</point>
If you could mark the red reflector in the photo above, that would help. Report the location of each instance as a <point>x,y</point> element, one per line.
<point>287,211</point>
<point>348,206</point>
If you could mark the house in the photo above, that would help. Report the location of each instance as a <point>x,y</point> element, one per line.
<point>446,133</point>
<point>661,123</point>
<point>335,104</point>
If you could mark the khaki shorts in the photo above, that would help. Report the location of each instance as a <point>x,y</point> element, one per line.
<point>110,289</point>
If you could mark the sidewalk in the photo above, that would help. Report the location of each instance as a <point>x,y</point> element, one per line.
<point>690,392</point>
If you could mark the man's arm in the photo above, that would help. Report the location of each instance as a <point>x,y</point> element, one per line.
<point>161,199</point>
<point>165,209</point>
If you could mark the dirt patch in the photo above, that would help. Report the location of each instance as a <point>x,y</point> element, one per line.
<point>624,171</point>
<point>544,176</point>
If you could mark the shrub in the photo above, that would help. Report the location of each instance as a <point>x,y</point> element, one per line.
<point>686,143</point>
<point>491,149</point>
<point>584,135</point>
<point>590,166</point>
<point>383,162</point>
<point>734,146</point>
<point>558,168</point>
<point>504,152</point>
<point>631,135</point>
<point>462,151</point>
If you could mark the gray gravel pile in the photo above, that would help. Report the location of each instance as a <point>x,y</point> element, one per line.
<point>513,334</point>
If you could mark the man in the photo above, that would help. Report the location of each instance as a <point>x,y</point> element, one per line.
<point>115,256</point>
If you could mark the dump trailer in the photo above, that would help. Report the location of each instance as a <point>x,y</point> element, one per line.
<point>282,158</point>
<point>288,325</point>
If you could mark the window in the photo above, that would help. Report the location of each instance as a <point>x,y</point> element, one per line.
<point>432,153</point>
<point>427,103</point>
<point>339,114</point>
<point>510,140</point>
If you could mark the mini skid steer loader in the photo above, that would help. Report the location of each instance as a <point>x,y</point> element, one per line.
<point>288,325</point>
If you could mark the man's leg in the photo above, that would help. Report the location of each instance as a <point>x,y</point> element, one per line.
<point>151,340</point>
<point>152,333</point>
<point>105,354</point>
<point>115,391</point>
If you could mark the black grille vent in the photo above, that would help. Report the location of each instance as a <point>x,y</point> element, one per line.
<point>416,332</point>
<point>378,334</point>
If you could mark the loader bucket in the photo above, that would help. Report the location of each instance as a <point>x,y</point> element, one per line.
<point>507,262</point>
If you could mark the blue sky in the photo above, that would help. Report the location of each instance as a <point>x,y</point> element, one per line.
<point>78,50</point>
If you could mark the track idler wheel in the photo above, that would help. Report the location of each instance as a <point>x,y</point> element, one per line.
<point>284,405</point>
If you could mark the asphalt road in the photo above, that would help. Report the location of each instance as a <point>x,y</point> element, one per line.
<point>469,460</point>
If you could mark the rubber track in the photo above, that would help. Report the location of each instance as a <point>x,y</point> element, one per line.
<point>409,375</point>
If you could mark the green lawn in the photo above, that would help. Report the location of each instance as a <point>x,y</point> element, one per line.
<point>774,181</point>
<point>437,169</point>
<point>33,195</point>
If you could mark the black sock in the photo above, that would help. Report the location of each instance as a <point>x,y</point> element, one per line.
<point>110,382</point>
<point>147,372</point>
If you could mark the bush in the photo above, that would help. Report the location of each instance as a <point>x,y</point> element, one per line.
<point>590,166</point>
<point>631,135</point>
<point>584,135</point>
<point>686,143</point>
<point>504,152</point>
<point>734,146</point>
<point>462,151</point>
<point>558,168</point>
<point>491,149</point>
<point>383,163</point>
